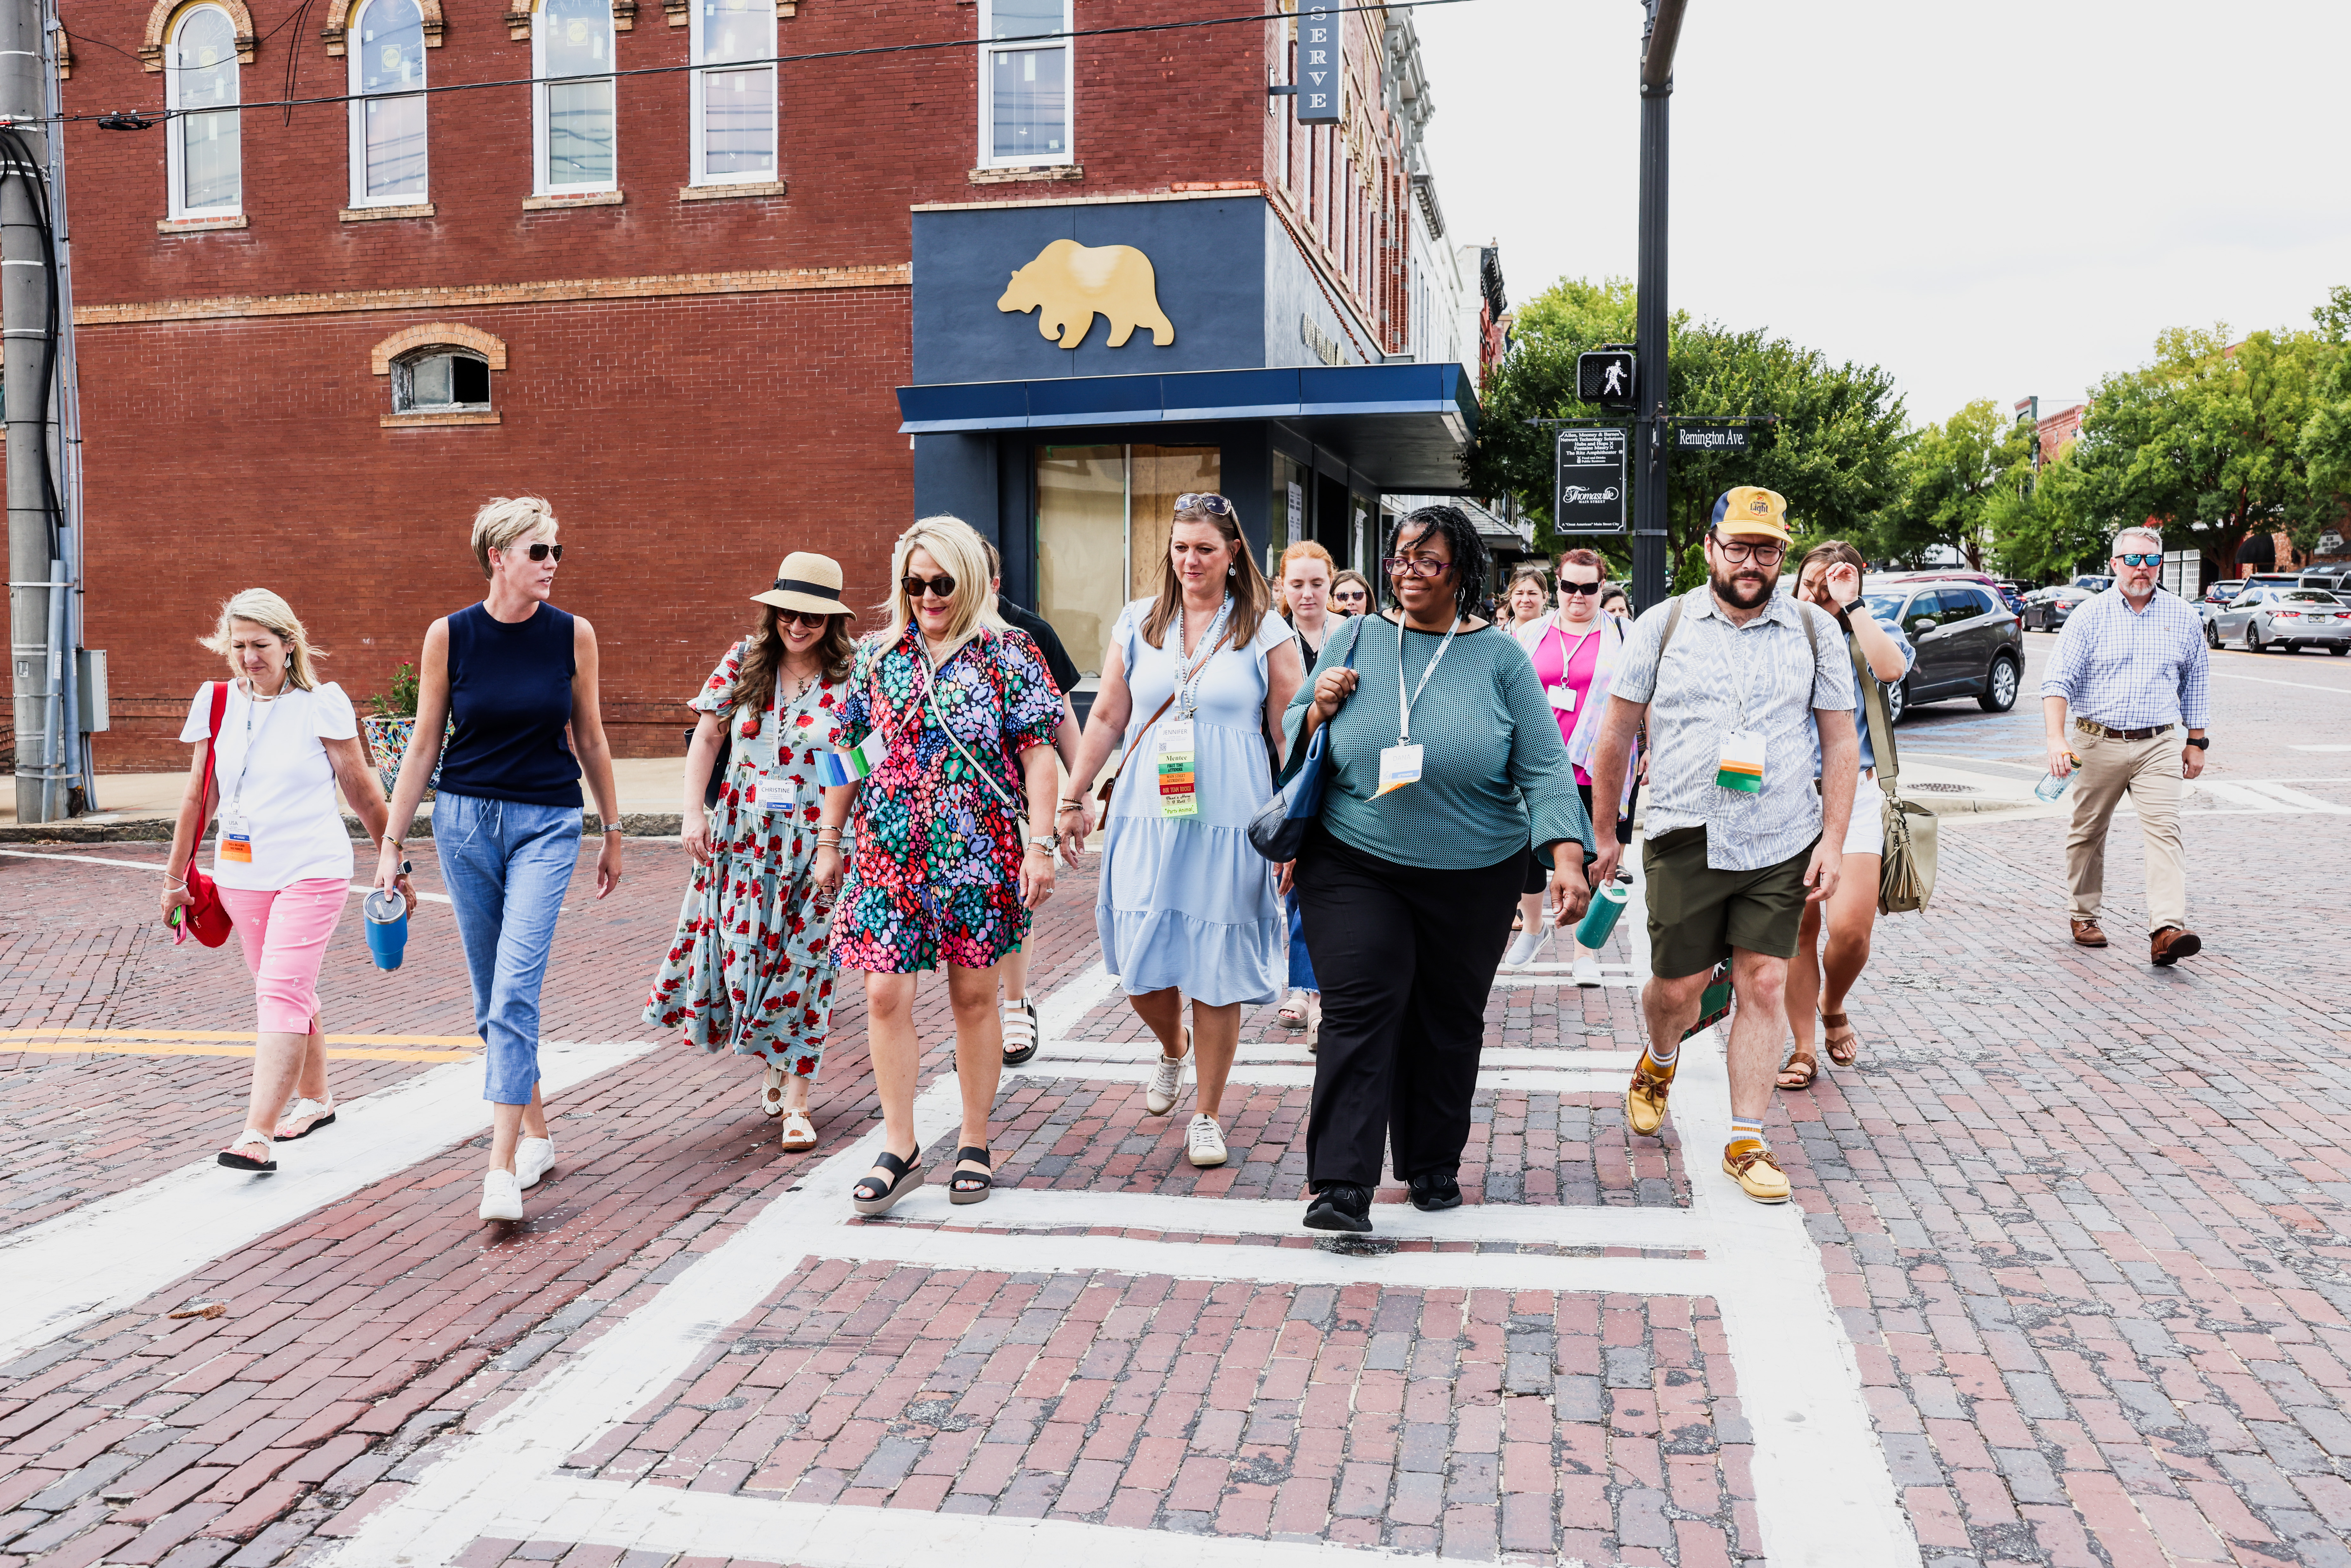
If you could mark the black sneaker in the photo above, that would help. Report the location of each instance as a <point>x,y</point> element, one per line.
<point>1433,1190</point>
<point>1340,1205</point>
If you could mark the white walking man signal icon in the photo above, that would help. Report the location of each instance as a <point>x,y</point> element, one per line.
<point>1613,383</point>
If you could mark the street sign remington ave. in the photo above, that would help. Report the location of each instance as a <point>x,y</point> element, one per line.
<point>1589,495</point>
<point>1704,435</point>
<point>1319,57</point>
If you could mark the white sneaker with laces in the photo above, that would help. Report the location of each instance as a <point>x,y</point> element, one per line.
<point>1523,948</point>
<point>534,1157</point>
<point>1205,1141</point>
<point>1587,968</point>
<point>501,1196</point>
<point>1159,1096</point>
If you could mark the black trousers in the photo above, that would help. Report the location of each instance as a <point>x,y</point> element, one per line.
<point>1407,957</point>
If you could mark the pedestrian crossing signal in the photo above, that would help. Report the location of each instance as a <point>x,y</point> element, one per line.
<point>1605,377</point>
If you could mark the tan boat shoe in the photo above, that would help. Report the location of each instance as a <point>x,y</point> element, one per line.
<point>1758,1174</point>
<point>1645,1098</point>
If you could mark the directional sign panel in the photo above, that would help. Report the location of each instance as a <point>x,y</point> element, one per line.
<point>1702,435</point>
<point>1590,494</point>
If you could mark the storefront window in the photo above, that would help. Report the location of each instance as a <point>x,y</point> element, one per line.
<point>1285,510</point>
<point>1103,523</point>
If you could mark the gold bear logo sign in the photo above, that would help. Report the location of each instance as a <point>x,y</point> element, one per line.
<point>1069,284</point>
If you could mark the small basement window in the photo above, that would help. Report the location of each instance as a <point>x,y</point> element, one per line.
<point>440,382</point>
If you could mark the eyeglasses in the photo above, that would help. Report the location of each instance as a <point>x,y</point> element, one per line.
<point>805,617</point>
<point>1346,595</point>
<point>1763,555</point>
<point>1204,501</point>
<point>942,586</point>
<point>1567,587</point>
<point>1415,566</point>
<point>542,551</point>
<point>2138,559</point>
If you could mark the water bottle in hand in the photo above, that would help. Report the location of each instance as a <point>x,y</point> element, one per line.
<point>2051,785</point>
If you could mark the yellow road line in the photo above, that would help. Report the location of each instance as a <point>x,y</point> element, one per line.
<point>126,1047</point>
<point>472,1043</point>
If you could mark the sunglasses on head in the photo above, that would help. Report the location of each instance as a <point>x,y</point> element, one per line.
<point>1567,587</point>
<point>941,587</point>
<point>1204,501</point>
<point>2135,558</point>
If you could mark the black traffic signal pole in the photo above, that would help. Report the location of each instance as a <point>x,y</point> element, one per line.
<point>1652,572</point>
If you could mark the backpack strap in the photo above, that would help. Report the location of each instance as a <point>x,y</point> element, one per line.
<point>1673,618</point>
<point>1881,728</point>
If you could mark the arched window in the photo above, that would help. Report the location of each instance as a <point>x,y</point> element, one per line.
<point>733,108</point>
<point>387,128</point>
<point>440,380</point>
<point>575,131</point>
<point>205,170</point>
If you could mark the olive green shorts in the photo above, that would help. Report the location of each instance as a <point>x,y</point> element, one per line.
<point>1698,915</point>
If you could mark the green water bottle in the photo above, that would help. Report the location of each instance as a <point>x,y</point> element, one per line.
<point>1607,904</point>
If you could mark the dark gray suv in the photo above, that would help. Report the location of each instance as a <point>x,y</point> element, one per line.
<point>1969,644</point>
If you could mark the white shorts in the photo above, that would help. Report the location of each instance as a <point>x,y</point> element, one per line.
<point>1866,835</point>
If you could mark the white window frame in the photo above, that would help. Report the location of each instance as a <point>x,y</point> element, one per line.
<point>540,185</point>
<point>353,50</point>
<point>698,132</point>
<point>989,48</point>
<point>403,380</point>
<point>175,156</point>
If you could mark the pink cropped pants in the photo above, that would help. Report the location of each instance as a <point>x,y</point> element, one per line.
<point>284,938</point>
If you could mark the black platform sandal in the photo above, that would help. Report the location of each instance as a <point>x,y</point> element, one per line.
<point>872,1196</point>
<point>971,1186</point>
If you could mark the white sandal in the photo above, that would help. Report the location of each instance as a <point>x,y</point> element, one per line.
<point>1291,1014</point>
<point>306,1117</point>
<point>771,1093</point>
<point>1314,1021</point>
<point>251,1138</point>
<point>799,1132</point>
<point>1020,1031</point>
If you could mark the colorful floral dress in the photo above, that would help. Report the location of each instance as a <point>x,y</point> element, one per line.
<point>751,967</point>
<point>936,871</point>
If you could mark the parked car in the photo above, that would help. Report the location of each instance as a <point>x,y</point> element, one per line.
<point>2286,618</point>
<point>2332,579</point>
<point>2270,579</point>
<point>2092,583</point>
<point>2046,609</point>
<point>2010,594</point>
<point>1969,642</point>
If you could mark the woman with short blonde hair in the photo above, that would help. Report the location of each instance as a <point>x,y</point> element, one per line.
<point>283,860</point>
<point>950,721</point>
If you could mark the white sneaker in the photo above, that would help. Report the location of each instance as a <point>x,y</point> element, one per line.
<point>501,1196</point>
<point>1205,1141</point>
<point>1523,948</point>
<point>1587,968</point>
<point>534,1157</point>
<point>1166,1083</point>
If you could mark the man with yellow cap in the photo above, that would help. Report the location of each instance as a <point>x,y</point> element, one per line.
<point>1738,681</point>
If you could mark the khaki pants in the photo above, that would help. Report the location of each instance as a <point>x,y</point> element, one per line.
<point>2150,771</point>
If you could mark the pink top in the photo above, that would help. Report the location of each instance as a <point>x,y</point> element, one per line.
<point>1565,658</point>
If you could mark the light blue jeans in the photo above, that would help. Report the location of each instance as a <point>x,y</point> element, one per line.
<point>1302,968</point>
<point>506,866</point>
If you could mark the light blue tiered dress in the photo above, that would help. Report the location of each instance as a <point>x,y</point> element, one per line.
<point>1185,900</point>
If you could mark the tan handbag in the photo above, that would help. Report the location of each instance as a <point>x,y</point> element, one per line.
<point>1906,875</point>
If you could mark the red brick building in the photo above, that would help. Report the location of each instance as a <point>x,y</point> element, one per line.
<point>681,305</point>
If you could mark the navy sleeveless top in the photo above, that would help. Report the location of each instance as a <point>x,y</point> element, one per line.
<point>510,699</point>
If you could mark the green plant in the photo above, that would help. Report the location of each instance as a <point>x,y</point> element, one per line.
<point>401,701</point>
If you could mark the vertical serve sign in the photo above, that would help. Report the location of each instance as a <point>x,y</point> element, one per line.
<point>1319,57</point>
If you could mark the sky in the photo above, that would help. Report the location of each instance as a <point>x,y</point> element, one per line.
<point>1998,199</point>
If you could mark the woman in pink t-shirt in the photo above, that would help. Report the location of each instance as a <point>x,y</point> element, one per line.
<point>1574,650</point>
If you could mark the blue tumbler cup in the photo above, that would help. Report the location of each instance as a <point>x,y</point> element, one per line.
<point>1607,904</point>
<point>387,927</point>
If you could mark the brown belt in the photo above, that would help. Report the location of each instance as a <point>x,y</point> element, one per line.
<point>2097,728</point>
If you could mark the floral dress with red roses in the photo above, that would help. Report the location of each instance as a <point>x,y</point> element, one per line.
<point>935,869</point>
<point>751,967</point>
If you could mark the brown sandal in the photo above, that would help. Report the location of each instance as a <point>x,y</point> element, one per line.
<point>1843,1052</point>
<point>1803,1061</point>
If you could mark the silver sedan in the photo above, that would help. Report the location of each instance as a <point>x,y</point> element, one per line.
<point>2283,617</point>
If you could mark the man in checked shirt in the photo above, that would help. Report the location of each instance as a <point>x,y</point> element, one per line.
<point>2132,666</point>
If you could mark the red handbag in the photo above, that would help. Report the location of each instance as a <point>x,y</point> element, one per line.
<point>204,913</point>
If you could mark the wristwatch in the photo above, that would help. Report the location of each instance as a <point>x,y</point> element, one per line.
<point>2201,742</point>
<point>1045,842</point>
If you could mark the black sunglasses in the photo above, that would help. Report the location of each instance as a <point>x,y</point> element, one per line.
<point>1567,587</point>
<point>802,618</point>
<point>942,586</point>
<point>1346,593</point>
<point>541,551</point>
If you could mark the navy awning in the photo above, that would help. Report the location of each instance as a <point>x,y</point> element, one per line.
<point>1404,427</point>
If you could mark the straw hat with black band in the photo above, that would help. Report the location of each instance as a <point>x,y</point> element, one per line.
<point>807,582</point>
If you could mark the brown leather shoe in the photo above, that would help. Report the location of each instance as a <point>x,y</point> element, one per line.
<point>2087,935</point>
<point>1645,1099</point>
<point>2172,943</point>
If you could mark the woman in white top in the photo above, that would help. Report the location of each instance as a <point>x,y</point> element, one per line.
<point>283,860</point>
<point>1305,603</point>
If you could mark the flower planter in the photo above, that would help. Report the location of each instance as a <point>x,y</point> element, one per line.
<point>388,738</point>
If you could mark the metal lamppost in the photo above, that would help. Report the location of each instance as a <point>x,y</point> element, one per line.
<point>1652,572</point>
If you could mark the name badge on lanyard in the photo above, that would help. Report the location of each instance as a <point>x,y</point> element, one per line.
<point>235,847</point>
<point>1179,794</point>
<point>776,795</point>
<point>1563,697</point>
<point>1399,765</point>
<point>1741,768</point>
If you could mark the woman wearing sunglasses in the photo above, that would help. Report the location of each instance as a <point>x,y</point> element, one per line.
<point>1194,679</point>
<point>1351,593</point>
<point>516,678</point>
<point>951,722</point>
<point>1574,650</point>
<point>751,969</point>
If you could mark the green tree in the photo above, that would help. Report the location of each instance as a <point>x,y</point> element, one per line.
<point>1831,453</point>
<point>1951,477</point>
<point>2325,442</point>
<point>2046,530</point>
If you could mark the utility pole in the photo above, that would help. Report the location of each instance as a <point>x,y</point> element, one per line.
<point>39,571</point>
<point>1652,572</point>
